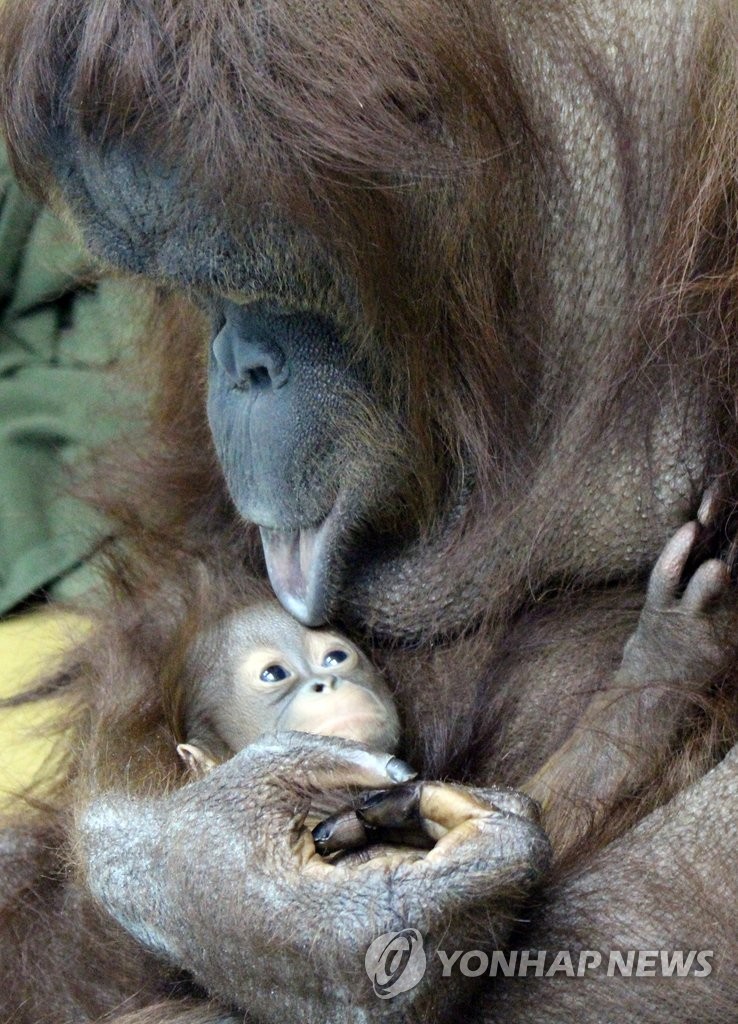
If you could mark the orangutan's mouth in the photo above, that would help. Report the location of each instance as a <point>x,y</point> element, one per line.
<point>301,564</point>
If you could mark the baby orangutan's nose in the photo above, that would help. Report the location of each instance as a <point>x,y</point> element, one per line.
<point>319,685</point>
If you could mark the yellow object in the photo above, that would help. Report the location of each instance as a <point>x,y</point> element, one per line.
<point>30,646</point>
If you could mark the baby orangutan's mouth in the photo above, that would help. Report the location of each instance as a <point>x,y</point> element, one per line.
<point>370,729</point>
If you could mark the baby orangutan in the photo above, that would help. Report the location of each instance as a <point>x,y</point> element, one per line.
<point>265,673</point>
<point>259,671</point>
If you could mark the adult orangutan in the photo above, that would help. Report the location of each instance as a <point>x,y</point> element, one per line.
<point>468,273</point>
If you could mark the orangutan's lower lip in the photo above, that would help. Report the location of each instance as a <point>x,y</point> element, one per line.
<point>298,565</point>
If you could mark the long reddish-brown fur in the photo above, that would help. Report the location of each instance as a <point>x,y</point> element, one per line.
<point>342,175</point>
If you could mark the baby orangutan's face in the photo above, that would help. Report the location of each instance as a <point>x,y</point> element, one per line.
<point>279,675</point>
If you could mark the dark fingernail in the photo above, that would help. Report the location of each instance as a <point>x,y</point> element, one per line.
<point>399,771</point>
<point>322,832</point>
<point>373,798</point>
<point>341,832</point>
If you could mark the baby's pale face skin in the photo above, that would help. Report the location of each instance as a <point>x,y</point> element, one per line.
<point>279,675</point>
<point>317,682</point>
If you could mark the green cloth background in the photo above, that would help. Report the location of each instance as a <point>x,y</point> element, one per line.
<point>60,336</point>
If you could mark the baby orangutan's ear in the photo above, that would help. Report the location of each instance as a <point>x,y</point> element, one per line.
<point>197,760</point>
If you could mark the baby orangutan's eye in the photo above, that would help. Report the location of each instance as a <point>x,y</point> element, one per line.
<point>274,674</point>
<point>334,658</point>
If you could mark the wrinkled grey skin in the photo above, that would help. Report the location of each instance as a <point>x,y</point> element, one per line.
<point>267,885</point>
<point>671,882</point>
